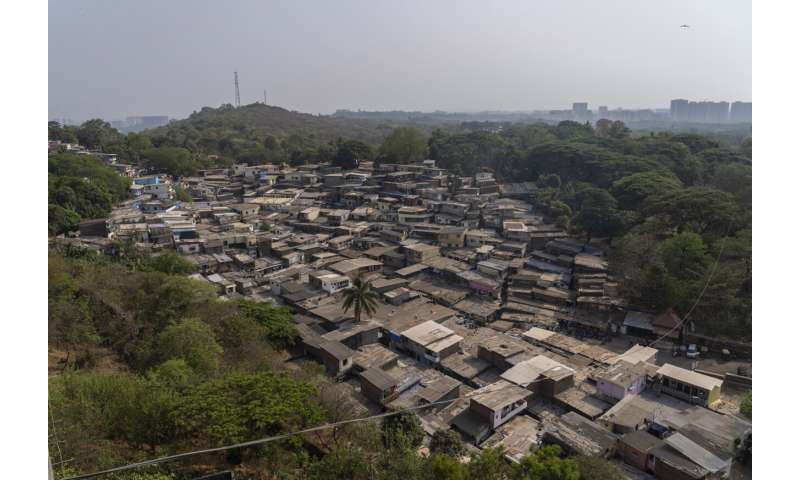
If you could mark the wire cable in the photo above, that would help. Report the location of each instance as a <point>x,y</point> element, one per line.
<point>274,438</point>
<point>702,292</point>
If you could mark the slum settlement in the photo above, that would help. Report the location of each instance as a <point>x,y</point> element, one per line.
<point>486,311</point>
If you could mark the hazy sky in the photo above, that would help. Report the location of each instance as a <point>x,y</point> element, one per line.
<point>147,57</point>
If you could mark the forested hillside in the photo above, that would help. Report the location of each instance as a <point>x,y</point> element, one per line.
<point>259,133</point>
<point>668,205</point>
<point>145,362</point>
<point>80,187</point>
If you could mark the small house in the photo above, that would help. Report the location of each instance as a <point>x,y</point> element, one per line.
<point>687,385</point>
<point>377,385</point>
<point>337,357</point>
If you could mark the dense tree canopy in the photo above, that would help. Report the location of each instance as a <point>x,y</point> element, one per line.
<point>175,161</point>
<point>96,134</point>
<point>350,152</point>
<point>81,187</point>
<point>403,145</point>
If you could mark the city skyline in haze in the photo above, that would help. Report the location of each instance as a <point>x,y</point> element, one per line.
<point>120,59</point>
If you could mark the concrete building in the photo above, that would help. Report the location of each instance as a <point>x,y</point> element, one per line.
<point>687,385</point>
<point>742,112</point>
<point>430,342</point>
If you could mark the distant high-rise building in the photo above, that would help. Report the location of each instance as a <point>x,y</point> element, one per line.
<point>679,110</point>
<point>580,111</point>
<point>602,111</point>
<point>742,112</point>
<point>699,112</point>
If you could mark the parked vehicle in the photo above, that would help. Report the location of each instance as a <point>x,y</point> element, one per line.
<point>692,351</point>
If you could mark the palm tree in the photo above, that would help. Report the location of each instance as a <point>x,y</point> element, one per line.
<point>360,298</point>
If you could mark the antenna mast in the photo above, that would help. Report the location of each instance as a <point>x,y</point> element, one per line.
<point>236,86</point>
<point>265,97</point>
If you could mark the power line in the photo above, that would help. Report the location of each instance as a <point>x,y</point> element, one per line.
<point>702,292</point>
<point>61,460</point>
<point>273,438</point>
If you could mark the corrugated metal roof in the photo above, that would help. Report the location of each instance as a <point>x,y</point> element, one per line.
<point>689,377</point>
<point>695,452</point>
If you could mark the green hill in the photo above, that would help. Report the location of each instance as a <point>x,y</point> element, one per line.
<point>257,122</point>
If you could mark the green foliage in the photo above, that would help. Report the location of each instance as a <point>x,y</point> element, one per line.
<point>80,187</point>
<point>193,341</point>
<point>612,129</point>
<point>597,468</point>
<point>447,442</point>
<point>489,464</point>
<point>341,463</point>
<point>170,263</point>
<point>350,152</point>
<point>466,154</point>
<point>361,298</point>
<point>128,309</point>
<point>117,406</point>
<point>404,145</point>
<point>747,147</point>
<point>700,209</point>
<point>633,190</point>
<point>61,220</point>
<point>546,464</point>
<point>131,148</point>
<point>568,130</point>
<point>746,404</point>
<point>91,168</point>
<point>242,406</point>
<point>439,466</point>
<point>736,179</point>
<point>582,162</point>
<point>174,373</point>
<point>182,195</point>
<point>685,256</point>
<point>174,161</point>
<point>64,133</point>
<point>95,134</point>
<point>402,428</point>
<point>70,322</point>
<point>277,322</point>
<point>696,143</point>
<point>273,133</point>
<point>599,215</point>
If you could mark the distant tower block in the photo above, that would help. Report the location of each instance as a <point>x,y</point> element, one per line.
<point>265,97</point>
<point>236,87</point>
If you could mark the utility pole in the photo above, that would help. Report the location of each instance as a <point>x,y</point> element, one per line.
<point>236,87</point>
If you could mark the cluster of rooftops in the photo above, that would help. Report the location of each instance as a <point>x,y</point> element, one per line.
<point>486,310</point>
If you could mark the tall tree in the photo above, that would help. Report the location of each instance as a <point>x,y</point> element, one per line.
<point>404,145</point>
<point>193,341</point>
<point>634,189</point>
<point>598,215</point>
<point>447,442</point>
<point>701,209</point>
<point>547,464</point>
<point>612,129</point>
<point>96,134</point>
<point>361,298</point>
<point>685,255</point>
<point>350,152</point>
